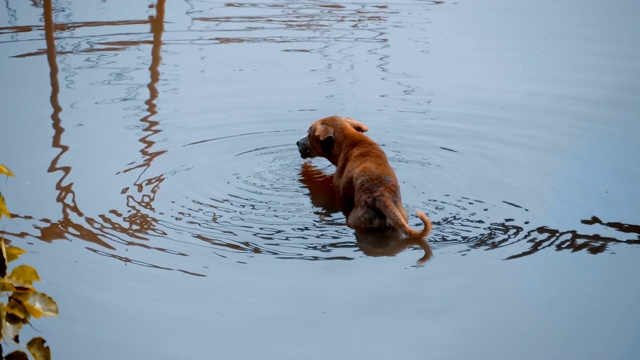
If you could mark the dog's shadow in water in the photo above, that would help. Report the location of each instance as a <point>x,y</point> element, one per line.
<point>376,242</point>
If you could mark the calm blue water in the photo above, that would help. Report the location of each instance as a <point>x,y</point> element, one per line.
<point>160,194</point>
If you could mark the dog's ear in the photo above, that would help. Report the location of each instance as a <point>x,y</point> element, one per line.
<point>356,125</point>
<point>324,131</point>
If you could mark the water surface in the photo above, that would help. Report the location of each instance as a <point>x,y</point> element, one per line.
<point>161,196</point>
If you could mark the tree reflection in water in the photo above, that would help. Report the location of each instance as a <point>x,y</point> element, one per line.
<point>462,228</point>
<point>504,234</point>
<point>102,230</point>
<point>292,232</point>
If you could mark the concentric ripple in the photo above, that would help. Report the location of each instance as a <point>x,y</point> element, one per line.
<point>252,194</point>
<point>247,197</point>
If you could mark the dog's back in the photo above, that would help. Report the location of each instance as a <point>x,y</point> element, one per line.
<point>364,180</point>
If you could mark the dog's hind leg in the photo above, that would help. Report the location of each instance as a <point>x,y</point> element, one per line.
<point>363,217</point>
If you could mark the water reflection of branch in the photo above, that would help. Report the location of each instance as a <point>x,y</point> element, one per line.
<point>51,27</point>
<point>459,229</point>
<point>542,237</point>
<point>68,26</point>
<point>128,260</point>
<point>103,231</point>
<point>464,228</point>
<point>140,219</point>
<point>66,195</point>
<point>318,20</point>
<point>299,16</point>
<point>157,28</point>
<point>347,26</point>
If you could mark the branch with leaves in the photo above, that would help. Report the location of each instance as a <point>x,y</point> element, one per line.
<point>23,301</point>
<point>3,206</point>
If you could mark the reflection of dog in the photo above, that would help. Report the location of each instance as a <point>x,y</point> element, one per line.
<point>372,242</point>
<point>389,242</point>
<point>365,184</point>
<point>320,186</point>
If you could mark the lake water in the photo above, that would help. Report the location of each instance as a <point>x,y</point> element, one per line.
<point>161,197</point>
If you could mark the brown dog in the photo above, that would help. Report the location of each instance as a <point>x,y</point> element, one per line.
<point>365,183</point>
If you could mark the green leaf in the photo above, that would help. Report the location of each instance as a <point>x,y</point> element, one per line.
<point>38,349</point>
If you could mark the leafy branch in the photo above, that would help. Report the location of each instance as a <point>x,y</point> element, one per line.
<point>23,301</point>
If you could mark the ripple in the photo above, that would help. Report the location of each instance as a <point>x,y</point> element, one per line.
<point>248,199</point>
<point>251,194</point>
<point>477,224</point>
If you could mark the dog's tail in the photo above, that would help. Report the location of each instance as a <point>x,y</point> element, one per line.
<point>417,237</point>
<point>393,214</point>
<point>420,237</point>
<point>427,226</point>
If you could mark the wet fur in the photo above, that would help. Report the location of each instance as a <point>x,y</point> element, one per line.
<point>365,183</point>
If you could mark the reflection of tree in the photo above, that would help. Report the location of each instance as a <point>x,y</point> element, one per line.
<point>139,219</point>
<point>103,230</point>
<point>334,29</point>
<point>462,228</point>
<point>504,234</point>
<point>66,196</point>
<point>138,223</point>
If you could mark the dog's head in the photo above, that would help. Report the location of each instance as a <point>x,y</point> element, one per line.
<point>322,135</point>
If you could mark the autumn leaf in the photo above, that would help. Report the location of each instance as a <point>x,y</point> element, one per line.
<point>11,324</point>
<point>17,308</point>
<point>5,171</point>
<point>10,285</point>
<point>38,304</point>
<point>3,208</point>
<point>6,286</point>
<point>21,278</point>
<point>2,316</point>
<point>38,349</point>
<point>3,260</point>
<point>17,355</point>
<point>13,253</point>
<point>24,275</point>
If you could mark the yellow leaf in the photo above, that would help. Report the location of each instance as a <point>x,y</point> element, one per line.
<point>24,275</point>
<point>3,208</point>
<point>38,304</point>
<point>5,171</point>
<point>11,325</point>
<point>6,286</point>
<point>17,308</point>
<point>38,349</point>
<point>13,253</point>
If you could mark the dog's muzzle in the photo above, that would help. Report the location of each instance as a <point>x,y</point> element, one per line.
<point>303,147</point>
